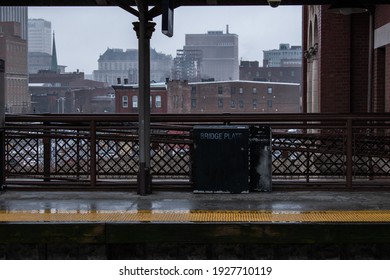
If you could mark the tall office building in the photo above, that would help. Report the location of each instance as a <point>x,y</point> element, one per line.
<point>285,56</point>
<point>15,14</point>
<point>219,54</point>
<point>39,36</point>
<point>39,45</point>
<point>13,50</point>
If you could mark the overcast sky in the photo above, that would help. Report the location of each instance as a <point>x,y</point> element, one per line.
<point>83,33</point>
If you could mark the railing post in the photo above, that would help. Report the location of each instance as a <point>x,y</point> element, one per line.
<point>93,153</point>
<point>78,158</point>
<point>349,161</point>
<point>46,152</point>
<point>2,124</point>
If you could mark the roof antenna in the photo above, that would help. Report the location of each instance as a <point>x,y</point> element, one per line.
<point>227,28</point>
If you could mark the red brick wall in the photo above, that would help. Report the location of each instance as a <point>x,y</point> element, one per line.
<point>130,92</point>
<point>334,62</point>
<point>378,91</point>
<point>382,15</point>
<point>359,62</point>
<point>387,79</point>
<point>179,97</point>
<point>226,97</point>
<point>342,61</point>
<point>381,85</point>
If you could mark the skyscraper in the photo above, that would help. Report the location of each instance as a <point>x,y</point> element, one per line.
<point>219,54</point>
<point>13,50</point>
<point>39,36</point>
<point>15,14</point>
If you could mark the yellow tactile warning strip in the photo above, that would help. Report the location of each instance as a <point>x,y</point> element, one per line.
<point>363,216</point>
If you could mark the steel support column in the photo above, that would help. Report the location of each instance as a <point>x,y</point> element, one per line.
<point>2,124</point>
<point>144,29</point>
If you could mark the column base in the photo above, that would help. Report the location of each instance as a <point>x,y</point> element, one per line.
<point>144,180</point>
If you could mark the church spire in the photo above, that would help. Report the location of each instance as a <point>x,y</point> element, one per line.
<point>54,65</point>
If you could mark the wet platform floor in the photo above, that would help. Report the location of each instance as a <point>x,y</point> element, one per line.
<point>182,207</point>
<point>184,225</point>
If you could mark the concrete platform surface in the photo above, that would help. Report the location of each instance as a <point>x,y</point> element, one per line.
<point>53,201</point>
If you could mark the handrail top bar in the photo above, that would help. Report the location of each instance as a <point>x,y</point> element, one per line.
<point>283,117</point>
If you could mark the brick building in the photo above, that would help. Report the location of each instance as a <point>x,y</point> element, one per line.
<point>13,50</point>
<point>343,73</point>
<point>126,98</point>
<point>57,93</point>
<point>233,97</point>
<point>251,71</point>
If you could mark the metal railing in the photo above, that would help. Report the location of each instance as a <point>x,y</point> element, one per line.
<point>92,151</point>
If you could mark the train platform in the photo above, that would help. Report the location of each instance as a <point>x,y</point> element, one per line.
<point>282,206</point>
<point>178,221</point>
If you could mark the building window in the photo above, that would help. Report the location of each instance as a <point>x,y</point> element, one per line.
<point>292,74</point>
<point>158,101</point>
<point>241,90</point>
<point>151,102</point>
<point>254,103</point>
<point>193,103</point>
<point>232,103</point>
<point>220,90</point>
<point>232,90</point>
<point>134,101</point>
<point>269,103</point>
<point>254,90</point>
<point>270,90</point>
<point>220,103</point>
<point>241,103</point>
<point>125,101</point>
<point>193,90</point>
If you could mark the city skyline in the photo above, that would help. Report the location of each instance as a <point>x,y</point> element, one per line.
<point>258,28</point>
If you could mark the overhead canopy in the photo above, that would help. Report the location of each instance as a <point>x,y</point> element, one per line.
<point>179,3</point>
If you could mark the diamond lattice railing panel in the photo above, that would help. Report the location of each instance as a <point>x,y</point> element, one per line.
<point>70,153</point>
<point>316,153</point>
<point>170,159</point>
<point>371,152</point>
<point>117,157</point>
<point>23,154</point>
